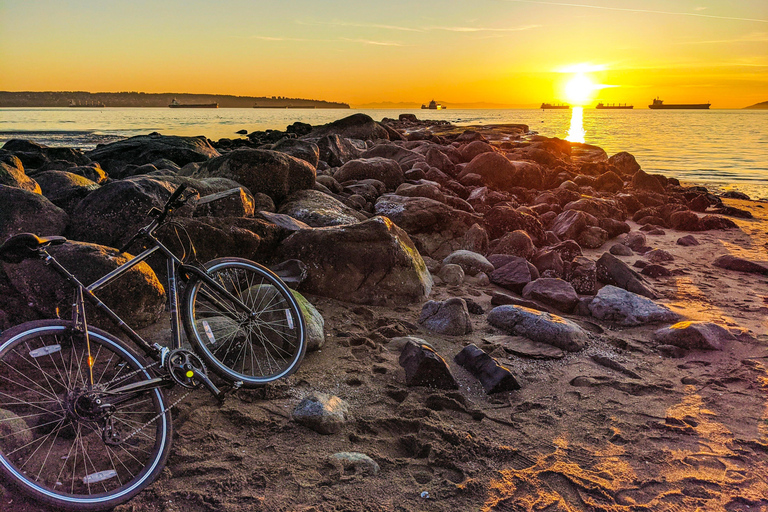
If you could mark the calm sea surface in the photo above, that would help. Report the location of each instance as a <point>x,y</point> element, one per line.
<point>725,149</point>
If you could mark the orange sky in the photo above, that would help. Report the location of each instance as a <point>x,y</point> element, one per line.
<point>508,52</point>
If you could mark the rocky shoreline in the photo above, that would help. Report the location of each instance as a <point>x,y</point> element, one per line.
<point>502,321</point>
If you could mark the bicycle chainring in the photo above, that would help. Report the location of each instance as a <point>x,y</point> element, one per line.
<point>183,365</point>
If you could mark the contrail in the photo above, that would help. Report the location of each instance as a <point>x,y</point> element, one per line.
<point>670,13</point>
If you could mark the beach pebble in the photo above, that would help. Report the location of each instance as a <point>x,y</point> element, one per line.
<point>325,414</point>
<point>358,462</point>
<point>688,241</point>
<point>659,256</point>
<point>451,274</point>
<point>613,271</point>
<point>655,271</point>
<point>552,292</point>
<point>620,250</point>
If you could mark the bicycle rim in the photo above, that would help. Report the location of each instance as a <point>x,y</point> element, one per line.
<point>52,443</point>
<point>256,348</point>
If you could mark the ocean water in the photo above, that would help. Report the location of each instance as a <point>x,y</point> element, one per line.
<point>722,149</point>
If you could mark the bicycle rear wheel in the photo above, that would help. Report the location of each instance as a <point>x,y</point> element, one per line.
<point>254,347</point>
<point>53,445</point>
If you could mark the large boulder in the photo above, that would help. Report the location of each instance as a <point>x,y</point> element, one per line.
<point>12,173</point>
<point>383,169</point>
<point>539,326</point>
<point>627,308</point>
<point>317,209</point>
<point>471,262</point>
<point>504,218</point>
<point>641,180</point>
<point>64,189</point>
<point>145,149</point>
<point>357,126</point>
<point>260,170</point>
<point>613,271</point>
<point>569,224</point>
<point>515,243</point>
<point>373,262</point>
<point>405,157</point>
<point>731,262</point>
<point>424,215</point>
<point>336,150</point>
<point>514,274</point>
<point>23,211</point>
<point>695,335</point>
<point>625,163</point>
<point>495,169</point>
<point>137,297</point>
<point>34,155</point>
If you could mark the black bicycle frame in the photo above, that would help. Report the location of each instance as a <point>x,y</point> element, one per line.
<point>175,268</point>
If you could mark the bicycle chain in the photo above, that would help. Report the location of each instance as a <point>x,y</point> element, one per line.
<point>145,425</point>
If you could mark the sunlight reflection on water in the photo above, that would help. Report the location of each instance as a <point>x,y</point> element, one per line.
<point>576,132</point>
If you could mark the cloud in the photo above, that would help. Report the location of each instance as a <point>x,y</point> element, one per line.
<point>754,37</point>
<point>649,11</point>
<point>368,41</point>
<point>486,29</point>
<point>467,29</point>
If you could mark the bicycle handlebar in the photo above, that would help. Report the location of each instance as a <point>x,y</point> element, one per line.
<point>171,200</point>
<point>174,201</point>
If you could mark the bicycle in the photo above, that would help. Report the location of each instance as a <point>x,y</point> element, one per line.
<point>84,423</point>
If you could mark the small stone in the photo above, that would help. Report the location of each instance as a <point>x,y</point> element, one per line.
<point>731,262</point>
<point>424,367</point>
<point>471,262</point>
<point>620,250</point>
<point>539,326</point>
<point>451,274</point>
<point>655,271</point>
<point>687,241</point>
<point>552,292</point>
<point>493,377</point>
<point>627,308</point>
<point>325,414</point>
<point>359,462</point>
<point>659,256</point>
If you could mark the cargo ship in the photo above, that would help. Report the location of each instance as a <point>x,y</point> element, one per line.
<point>176,104</point>
<point>433,105</point>
<point>602,105</point>
<point>547,106</point>
<point>659,105</point>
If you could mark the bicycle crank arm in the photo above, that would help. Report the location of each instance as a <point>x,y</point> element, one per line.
<point>203,379</point>
<point>138,387</point>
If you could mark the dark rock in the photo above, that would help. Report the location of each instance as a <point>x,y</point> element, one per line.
<point>425,188</point>
<point>695,335</point>
<point>655,271</point>
<point>502,299</point>
<point>383,169</point>
<point>539,326</point>
<point>625,163</point>
<point>503,219</point>
<point>644,181</point>
<point>627,308</point>
<point>235,202</point>
<point>138,297</point>
<point>659,256</point>
<point>493,377</point>
<point>91,171</point>
<point>733,194</point>
<point>515,274</point>
<point>273,173</point>
<point>451,274</point>
<point>582,275</point>
<point>599,208</point>
<point>474,149</point>
<point>319,210</point>
<point>476,239</point>
<point>357,126</point>
<point>687,241</point>
<point>685,220</point>
<point>301,149</point>
<point>515,243</point>
<point>730,262</point>
<point>671,351</point>
<point>12,173</point>
<point>613,227</point>
<point>592,237</point>
<point>405,157</point>
<point>709,222</point>
<point>548,260</point>
<point>611,270</point>
<point>436,158</point>
<point>569,224</point>
<point>336,150</point>
<point>635,240</point>
<point>448,317</point>
<point>552,292</point>
<point>322,413</point>
<point>23,211</point>
<point>34,156</point>
<point>64,189</point>
<point>145,149</point>
<point>609,182</point>
<point>620,250</point>
<point>373,262</point>
<point>734,212</point>
<point>424,367</point>
<point>568,250</point>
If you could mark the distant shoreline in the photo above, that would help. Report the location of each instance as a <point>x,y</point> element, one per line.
<point>31,99</point>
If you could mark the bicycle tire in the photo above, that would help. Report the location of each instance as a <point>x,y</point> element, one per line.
<point>48,450</point>
<point>254,349</point>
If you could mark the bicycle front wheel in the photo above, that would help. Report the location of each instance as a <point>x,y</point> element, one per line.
<point>66,438</point>
<point>257,345</point>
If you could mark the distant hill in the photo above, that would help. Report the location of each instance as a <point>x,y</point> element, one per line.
<point>759,106</point>
<point>411,105</point>
<point>142,99</point>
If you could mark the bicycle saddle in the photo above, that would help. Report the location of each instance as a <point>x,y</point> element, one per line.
<point>25,245</point>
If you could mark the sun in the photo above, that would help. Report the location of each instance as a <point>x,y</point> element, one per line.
<point>580,89</point>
